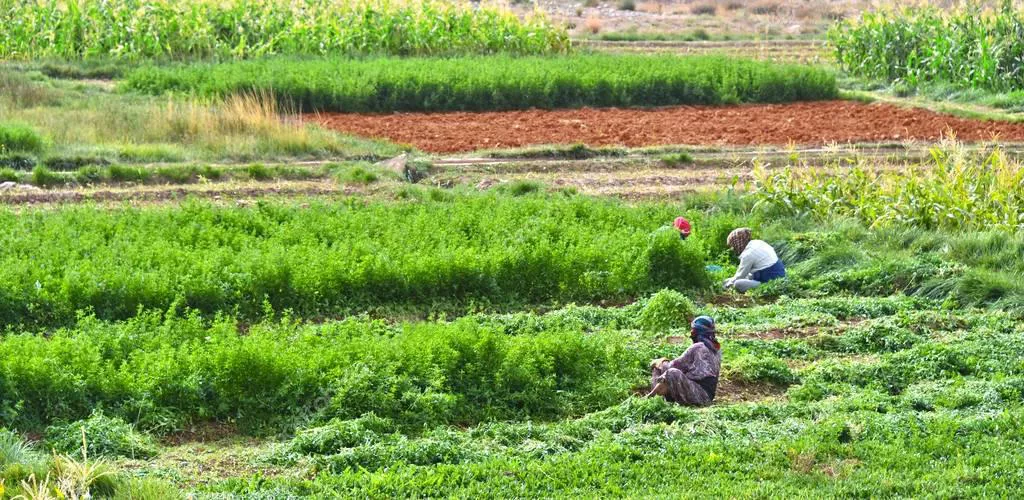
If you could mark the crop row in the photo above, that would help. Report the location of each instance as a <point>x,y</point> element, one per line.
<point>493,82</point>
<point>337,258</point>
<point>137,29</point>
<point>967,47</point>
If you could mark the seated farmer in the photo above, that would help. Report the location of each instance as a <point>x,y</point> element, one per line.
<point>758,262</point>
<point>683,226</point>
<point>690,379</point>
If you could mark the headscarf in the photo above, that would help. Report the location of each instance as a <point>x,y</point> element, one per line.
<point>738,239</point>
<point>702,329</point>
<point>682,225</point>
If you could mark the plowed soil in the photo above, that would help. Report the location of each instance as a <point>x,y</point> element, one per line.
<point>813,123</point>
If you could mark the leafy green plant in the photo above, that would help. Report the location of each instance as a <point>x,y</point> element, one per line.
<point>44,177</point>
<point>19,138</point>
<point>667,309</point>
<point>104,436</point>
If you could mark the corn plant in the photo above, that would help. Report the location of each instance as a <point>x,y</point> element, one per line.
<point>953,191</point>
<point>136,29</point>
<point>970,47</point>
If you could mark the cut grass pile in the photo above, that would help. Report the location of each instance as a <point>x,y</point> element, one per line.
<point>493,82</point>
<point>138,29</point>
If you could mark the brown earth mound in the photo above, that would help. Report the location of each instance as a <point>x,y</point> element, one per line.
<point>812,123</point>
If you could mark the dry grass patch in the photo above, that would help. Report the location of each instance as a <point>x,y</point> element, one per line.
<point>592,25</point>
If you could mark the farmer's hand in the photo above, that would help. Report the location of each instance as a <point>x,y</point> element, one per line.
<point>728,283</point>
<point>660,389</point>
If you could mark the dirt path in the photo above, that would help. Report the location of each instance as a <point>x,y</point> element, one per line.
<point>814,123</point>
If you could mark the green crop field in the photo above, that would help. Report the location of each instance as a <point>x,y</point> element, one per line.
<point>206,294</point>
<point>142,29</point>
<point>495,83</point>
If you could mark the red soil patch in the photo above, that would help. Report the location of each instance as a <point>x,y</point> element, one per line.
<point>809,123</point>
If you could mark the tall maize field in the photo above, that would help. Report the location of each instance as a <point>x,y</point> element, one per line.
<point>970,47</point>
<point>953,191</point>
<point>138,29</point>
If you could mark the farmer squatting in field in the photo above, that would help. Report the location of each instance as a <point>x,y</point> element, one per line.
<point>692,378</point>
<point>758,261</point>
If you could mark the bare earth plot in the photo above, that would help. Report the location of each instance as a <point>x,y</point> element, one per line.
<point>813,123</point>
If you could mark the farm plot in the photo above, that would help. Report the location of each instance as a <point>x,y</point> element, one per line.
<point>816,123</point>
<point>223,297</point>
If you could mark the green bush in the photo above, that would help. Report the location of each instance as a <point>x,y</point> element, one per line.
<point>670,262</point>
<point>494,82</point>
<point>89,175</point>
<point>121,173</point>
<point>8,174</point>
<point>19,138</point>
<point>359,176</point>
<point>44,177</point>
<point>521,187</point>
<point>104,436</point>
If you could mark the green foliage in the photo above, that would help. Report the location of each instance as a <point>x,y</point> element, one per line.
<point>521,187</point>
<point>123,173</point>
<point>337,258</point>
<point>752,369</point>
<point>20,138</point>
<point>494,82</point>
<point>954,191</point>
<point>89,175</point>
<point>44,177</point>
<point>337,434</point>
<point>677,159</point>
<point>667,309</point>
<point>166,371</point>
<point>358,175</point>
<point>8,174</point>
<point>104,436</point>
<point>17,161</point>
<point>95,29</point>
<point>968,47</point>
<point>258,172</point>
<point>669,262</point>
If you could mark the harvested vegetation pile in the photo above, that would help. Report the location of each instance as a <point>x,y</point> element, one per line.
<point>495,82</point>
<point>137,29</point>
<point>967,47</point>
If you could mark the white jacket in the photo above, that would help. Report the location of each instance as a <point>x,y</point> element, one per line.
<point>757,256</point>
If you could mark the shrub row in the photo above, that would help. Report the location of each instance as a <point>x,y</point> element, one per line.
<point>495,82</point>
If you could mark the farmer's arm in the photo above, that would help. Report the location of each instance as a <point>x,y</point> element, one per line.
<point>746,266</point>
